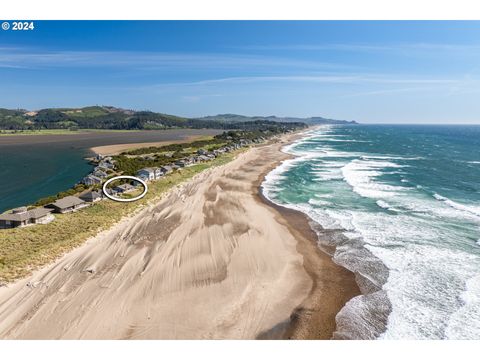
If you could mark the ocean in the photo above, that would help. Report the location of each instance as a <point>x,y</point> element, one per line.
<point>402,207</point>
<point>37,166</point>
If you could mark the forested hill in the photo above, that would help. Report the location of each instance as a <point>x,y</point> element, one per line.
<point>108,117</point>
<point>316,120</point>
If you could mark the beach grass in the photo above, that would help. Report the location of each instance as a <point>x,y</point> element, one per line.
<point>22,250</point>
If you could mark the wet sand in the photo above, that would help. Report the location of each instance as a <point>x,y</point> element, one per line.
<point>211,260</point>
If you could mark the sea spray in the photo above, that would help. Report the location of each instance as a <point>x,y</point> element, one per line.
<point>414,252</point>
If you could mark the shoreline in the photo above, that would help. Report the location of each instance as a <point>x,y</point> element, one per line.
<point>237,276</point>
<point>315,317</point>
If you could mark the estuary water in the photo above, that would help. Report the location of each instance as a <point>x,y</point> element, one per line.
<point>402,206</point>
<point>36,166</point>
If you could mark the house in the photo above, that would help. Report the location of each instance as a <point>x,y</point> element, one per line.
<point>143,177</point>
<point>101,168</point>
<point>91,196</point>
<point>146,173</point>
<point>202,152</point>
<point>67,204</point>
<point>22,217</point>
<point>106,164</point>
<point>203,158</point>
<point>158,173</point>
<point>166,169</point>
<point>181,163</point>
<point>91,180</point>
<point>100,174</point>
<point>124,188</point>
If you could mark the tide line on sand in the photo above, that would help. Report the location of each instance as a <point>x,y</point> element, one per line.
<point>212,259</point>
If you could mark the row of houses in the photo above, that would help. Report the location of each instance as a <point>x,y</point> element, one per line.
<point>202,155</point>
<point>155,173</point>
<point>105,164</point>
<point>21,216</point>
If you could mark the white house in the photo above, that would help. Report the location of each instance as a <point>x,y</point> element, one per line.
<point>158,173</point>
<point>146,173</point>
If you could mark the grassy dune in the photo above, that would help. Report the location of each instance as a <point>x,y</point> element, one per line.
<point>23,250</point>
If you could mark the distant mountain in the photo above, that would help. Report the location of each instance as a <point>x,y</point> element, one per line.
<point>109,117</point>
<point>317,120</point>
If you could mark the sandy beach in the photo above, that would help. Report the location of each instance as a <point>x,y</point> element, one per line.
<point>211,260</point>
<point>118,148</point>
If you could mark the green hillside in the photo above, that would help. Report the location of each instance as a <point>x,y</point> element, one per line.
<point>109,117</point>
<point>317,120</point>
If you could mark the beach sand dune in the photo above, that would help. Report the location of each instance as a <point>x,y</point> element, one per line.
<point>209,261</point>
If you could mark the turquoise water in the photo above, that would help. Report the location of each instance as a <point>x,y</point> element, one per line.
<point>403,207</point>
<point>28,173</point>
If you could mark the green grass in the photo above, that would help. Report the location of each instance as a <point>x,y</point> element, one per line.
<point>23,250</point>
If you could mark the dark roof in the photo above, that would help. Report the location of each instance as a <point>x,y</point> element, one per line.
<point>90,196</point>
<point>147,169</point>
<point>67,202</point>
<point>31,214</point>
<point>125,187</point>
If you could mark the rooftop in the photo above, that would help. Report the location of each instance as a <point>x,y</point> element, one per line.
<point>67,202</point>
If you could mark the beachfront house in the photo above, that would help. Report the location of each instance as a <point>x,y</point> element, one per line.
<point>181,163</point>
<point>91,180</point>
<point>100,174</point>
<point>124,188</point>
<point>20,217</point>
<point>67,204</point>
<point>166,169</point>
<point>158,173</point>
<point>192,159</point>
<point>106,165</point>
<point>146,174</point>
<point>91,196</point>
<point>203,158</point>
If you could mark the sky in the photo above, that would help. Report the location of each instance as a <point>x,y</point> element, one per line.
<point>371,72</point>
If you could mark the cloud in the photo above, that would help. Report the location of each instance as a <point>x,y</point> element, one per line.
<point>150,60</point>
<point>387,47</point>
<point>325,78</point>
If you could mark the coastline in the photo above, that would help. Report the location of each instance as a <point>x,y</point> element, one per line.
<point>333,285</point>
<point>235,276</point>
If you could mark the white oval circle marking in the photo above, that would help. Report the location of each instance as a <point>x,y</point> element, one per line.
<point>104,188</point>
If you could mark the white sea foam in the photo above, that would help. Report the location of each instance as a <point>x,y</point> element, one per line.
<point>384,157</point>
<point>432,283</point>
<point>360,175</point>
<point>465,322</point>
<point>383,204</point>
<point>475,210</point>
